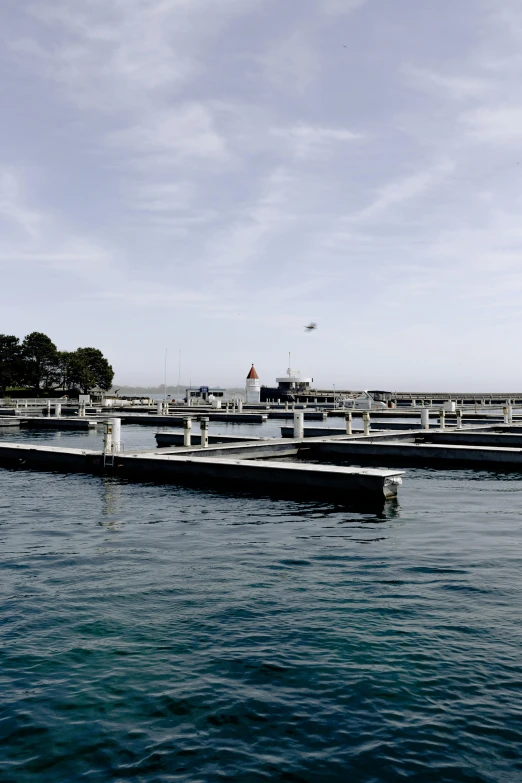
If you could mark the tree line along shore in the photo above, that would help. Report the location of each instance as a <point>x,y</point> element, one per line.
<point>35,366</point>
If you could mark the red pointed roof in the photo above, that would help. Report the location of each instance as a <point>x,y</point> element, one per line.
<point>252,374</point>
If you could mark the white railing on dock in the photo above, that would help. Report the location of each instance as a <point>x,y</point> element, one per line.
<point>34,402</point>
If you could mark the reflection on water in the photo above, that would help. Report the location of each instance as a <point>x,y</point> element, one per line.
<point>112,489</point>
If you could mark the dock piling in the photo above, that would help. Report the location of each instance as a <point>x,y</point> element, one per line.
<point>442,419</point>
<point>459,418</point>
<point>187,427</point>
<point>366,422</point>
<point>116,435</point>
<point>348,419</point>
<point>299,425</point>
<point>425,418</point>
<point>203,424</point>
<point>107,437</point>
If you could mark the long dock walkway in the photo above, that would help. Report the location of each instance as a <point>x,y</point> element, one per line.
<point>298,479</point>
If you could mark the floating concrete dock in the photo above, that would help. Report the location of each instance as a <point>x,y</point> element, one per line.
<point>387,452</point>
<point>58,423</point>
<point>176,438</point>
<point>169,420</point>
<point>48,423</point>
<point>10,421</point>
<point>298,479</point>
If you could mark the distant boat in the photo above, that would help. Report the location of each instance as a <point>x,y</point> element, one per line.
<point>371,400</point>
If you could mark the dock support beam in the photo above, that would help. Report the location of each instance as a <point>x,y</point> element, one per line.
<point>203,424</point>
<point>299,425</point>
<point>187,427</point>
<point>366,422</point>
<point>348,419</point>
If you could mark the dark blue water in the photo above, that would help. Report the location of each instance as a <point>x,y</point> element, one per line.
<point>155,633</point>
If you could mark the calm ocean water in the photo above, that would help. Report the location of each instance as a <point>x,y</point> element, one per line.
<point>153,633</point>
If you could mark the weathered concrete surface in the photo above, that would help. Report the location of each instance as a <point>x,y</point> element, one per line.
<point>10,421</point>
<point>174,438</point>
<point>463,437</point>
<point>252,449</point>
<point>325,432</point>
<point>418,454</point>
<point>343,483</point>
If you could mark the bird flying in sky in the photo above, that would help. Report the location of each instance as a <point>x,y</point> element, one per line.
<point>311,326</point>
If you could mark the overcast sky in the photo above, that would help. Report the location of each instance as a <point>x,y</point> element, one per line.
<point>211,175</point>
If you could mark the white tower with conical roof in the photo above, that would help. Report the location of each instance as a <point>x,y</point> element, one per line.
<point>253,387</point>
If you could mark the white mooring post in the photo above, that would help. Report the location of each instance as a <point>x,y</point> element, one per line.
<point>299,425</point>
<point>116,435</point>
<point>459,419</point>
<point>187,427</point>
<point>240,406</point>
<point>48,407</point>
<point>58,409</point>
<point>107,437</point>
<point>348,419</point>
<point>158,408</point>
<point>442,419</point>
<point>366,422</point>
<point>425,418</point>
<point>203,425</point>
<point>286,405</point>
<point>505,411</point>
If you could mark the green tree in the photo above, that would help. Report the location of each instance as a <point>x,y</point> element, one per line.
<point>41,365</point>
<point>88,367</point>
<point>65,365</point>
<point>10,362</point>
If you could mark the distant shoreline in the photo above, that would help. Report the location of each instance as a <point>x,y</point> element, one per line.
<point>174,391</point>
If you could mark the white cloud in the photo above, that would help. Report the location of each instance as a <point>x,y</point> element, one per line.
<point>404,190</point>
<point>41,241</point>
<point>340,7</point>
<point>446,86</point>
<point>311,140</point>
<point>12,206</point>
<point>173,136</point>
<point>495,124</point>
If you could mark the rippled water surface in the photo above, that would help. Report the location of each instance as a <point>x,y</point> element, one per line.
<point>156,633</point>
